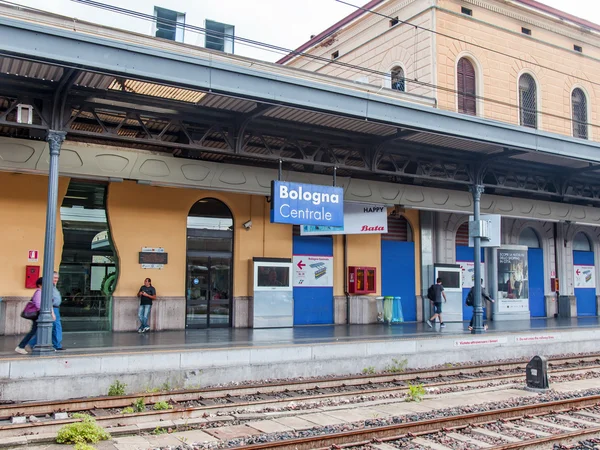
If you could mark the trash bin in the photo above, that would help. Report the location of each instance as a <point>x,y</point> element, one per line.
<point>388,309</point>
<point>379,301</point>
<point>397,316</point>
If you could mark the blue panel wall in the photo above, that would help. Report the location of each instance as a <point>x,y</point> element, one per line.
<point>586,297</point>
<point>537,302</point>
<point>398,275</point>
<point>313,305</point>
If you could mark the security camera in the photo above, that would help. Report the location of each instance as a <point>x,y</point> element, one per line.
<point>248,225</point>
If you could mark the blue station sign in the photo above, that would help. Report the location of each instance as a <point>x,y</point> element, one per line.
<point>306,204</point>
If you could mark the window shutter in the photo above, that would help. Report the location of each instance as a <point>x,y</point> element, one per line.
<point>467,89</point>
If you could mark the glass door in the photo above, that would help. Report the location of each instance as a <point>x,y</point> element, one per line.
<point>197,288</point>
<point>208,291</point>
<point>220,291</point>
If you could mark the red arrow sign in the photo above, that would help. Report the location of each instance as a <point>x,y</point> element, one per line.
<point>300,265</point>
<point>578,272</point>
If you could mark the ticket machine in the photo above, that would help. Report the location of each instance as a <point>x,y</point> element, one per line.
<point>271,288</point>
<point>451,275</point>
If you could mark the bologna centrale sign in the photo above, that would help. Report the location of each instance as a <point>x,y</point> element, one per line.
<point>307,204</point>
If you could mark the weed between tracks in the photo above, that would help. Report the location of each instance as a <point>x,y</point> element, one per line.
<point>82,433</point>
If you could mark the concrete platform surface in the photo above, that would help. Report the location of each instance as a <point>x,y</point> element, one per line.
<point>93,361</point>
<point>109,342</point>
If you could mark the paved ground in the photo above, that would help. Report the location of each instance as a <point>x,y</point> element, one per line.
<point>107,342</point>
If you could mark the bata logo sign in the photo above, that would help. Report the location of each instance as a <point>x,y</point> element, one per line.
<point>366,228</point>
<point>306,204</point>
<point>359,218</point>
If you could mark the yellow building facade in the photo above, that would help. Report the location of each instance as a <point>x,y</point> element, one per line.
<point>507,44</point>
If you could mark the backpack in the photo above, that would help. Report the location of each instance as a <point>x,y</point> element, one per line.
<point>431,293</point>
<point>470,301</point>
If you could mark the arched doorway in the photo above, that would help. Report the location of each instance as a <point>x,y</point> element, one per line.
<point>209,265</point>
<point>398,265</point>
<point>466,258</point>
<point>584,275</point>
<point>535,275</point>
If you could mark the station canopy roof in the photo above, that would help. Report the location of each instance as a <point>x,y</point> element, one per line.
<point>113,87</point>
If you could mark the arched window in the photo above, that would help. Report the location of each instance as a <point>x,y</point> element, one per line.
<point>529,238</point>
<point>582,243</point>
<point>579,105</point>
<point>466,87</point>
<point>398,80</point>
<point>527,101</point>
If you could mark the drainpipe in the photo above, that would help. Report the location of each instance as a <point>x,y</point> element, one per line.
<point>346,280</point>
<point>556,268</point>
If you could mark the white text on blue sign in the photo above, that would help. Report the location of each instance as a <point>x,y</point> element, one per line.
<point>307,204</point>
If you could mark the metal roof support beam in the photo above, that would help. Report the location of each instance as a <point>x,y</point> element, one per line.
<point>67,48</point>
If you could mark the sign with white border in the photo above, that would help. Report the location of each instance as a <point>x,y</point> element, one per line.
<point>33,256</point>
<point>312,271</point>
<point>479,342</point>
<point>585,276</point>
<point>359,218</point>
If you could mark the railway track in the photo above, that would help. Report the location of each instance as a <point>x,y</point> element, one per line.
<point>524,427</point>
<point>212,401</point>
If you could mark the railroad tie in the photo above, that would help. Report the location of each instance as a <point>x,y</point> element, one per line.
<point>495,435</point>
<point>468,440</point>
<point>547,423</point>
<point>430,444</point>
<point>526,429</point>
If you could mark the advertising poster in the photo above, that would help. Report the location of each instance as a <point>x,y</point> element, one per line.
<point>312,271</point>
<point>468,273</point>
<point>513,279</point>
<point>585,277</point>
<point>359,218</point>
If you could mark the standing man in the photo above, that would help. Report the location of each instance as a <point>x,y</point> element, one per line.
<point>471,302</point>
<point>147,293</point>
<point>57,326</point>
<point>435,294</point>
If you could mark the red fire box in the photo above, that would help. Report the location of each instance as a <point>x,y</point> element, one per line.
<point>362,280</point>
<point>32,273</point>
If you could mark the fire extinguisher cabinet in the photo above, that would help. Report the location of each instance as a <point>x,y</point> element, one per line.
<point>362,280</point>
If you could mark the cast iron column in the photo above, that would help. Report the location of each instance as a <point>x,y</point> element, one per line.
<point>477,190</point>
<point>45,322</point>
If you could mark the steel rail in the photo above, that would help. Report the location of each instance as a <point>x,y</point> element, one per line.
<point>73,405</point>
<point>392,432</point>
<point>117,420</point>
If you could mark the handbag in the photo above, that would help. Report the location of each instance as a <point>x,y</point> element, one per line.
<point>30,312</point>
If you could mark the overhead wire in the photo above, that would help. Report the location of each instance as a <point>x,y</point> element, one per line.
<point>464,41</point>
<point>336,62</point>
<point>282,50</point>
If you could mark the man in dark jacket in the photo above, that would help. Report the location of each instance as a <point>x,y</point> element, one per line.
<point>471,303</point>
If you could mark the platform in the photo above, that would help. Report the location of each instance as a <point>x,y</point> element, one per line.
<point>190,359</point>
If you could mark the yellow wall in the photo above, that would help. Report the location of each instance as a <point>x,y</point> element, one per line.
<point>22,224</point>
<point>513,53</point>
<point>412,215</point>
<point>149,216</point>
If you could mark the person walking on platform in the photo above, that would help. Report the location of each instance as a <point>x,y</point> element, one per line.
<point>435,294</point>
<point>57,326</point>
<point>147,293</point>
<point>471,302</point>
<point>34,306</point>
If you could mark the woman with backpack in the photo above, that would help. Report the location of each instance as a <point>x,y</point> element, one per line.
<point>470,301</point>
